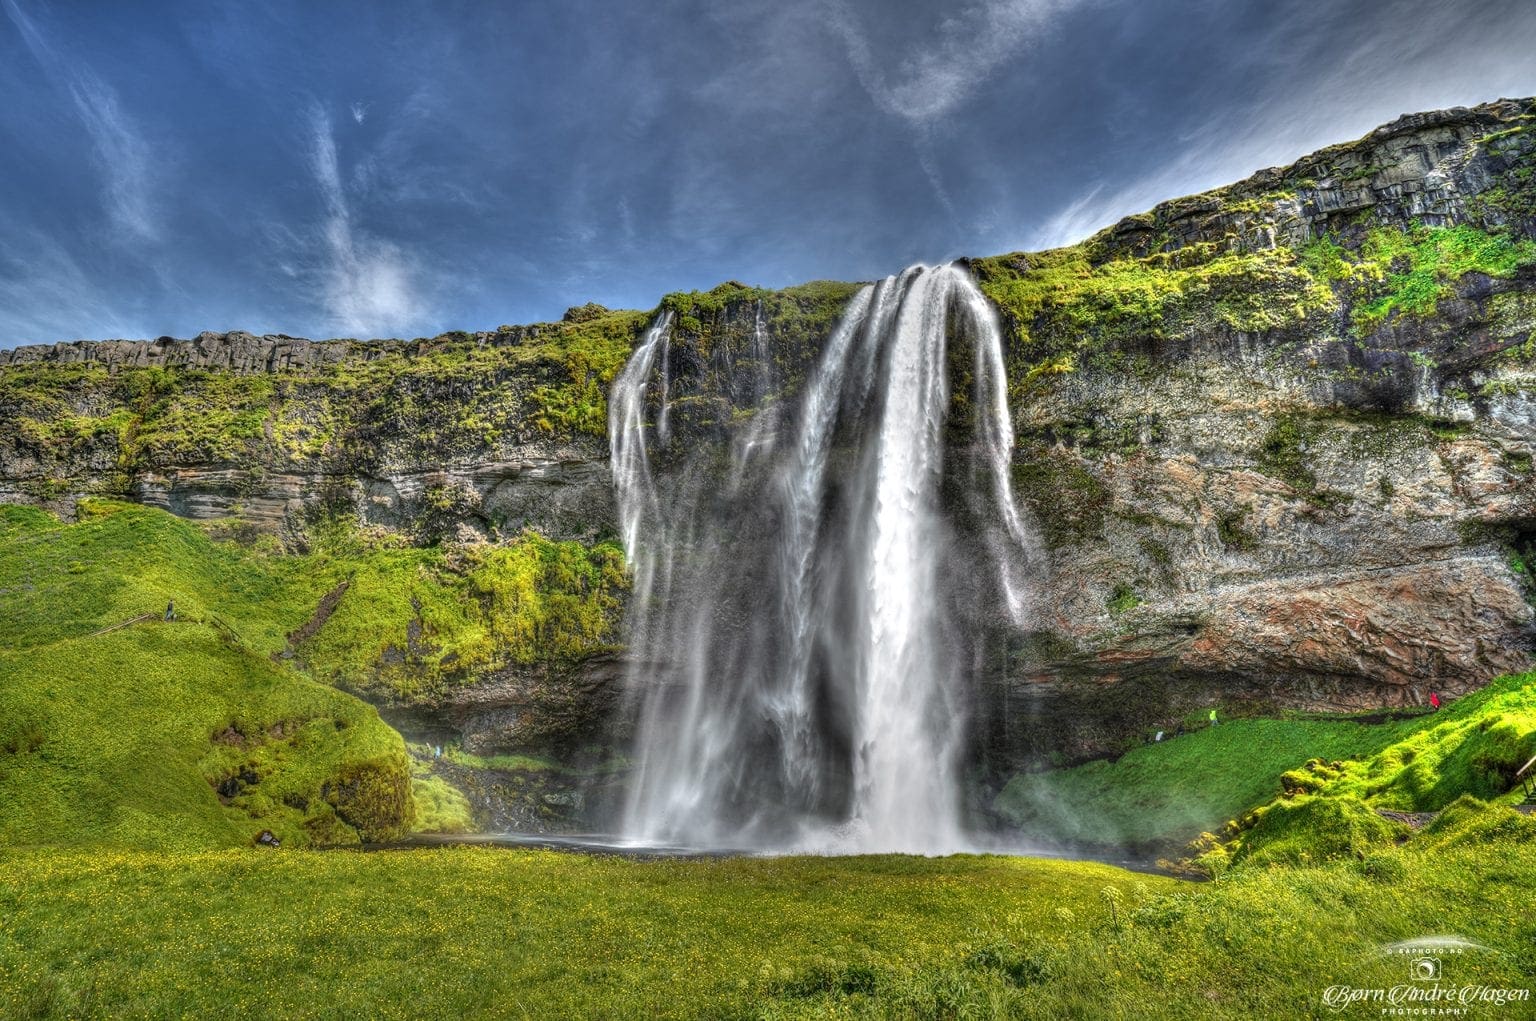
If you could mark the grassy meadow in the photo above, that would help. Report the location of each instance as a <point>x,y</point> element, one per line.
<point>136,766</point>
<point>498,933</point>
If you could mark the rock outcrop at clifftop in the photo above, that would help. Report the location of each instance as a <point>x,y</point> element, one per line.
<point>228,352</point>
<point>1278,440</point>
<point>1436,168</point>
<point>501,429</point>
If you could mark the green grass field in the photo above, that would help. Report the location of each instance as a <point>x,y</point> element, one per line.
<point>137,765</point>
<point>497,933</point>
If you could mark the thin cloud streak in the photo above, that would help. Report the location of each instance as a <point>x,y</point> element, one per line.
<point>936,76</point>
<point>366,284</point>
<point>122,155</point>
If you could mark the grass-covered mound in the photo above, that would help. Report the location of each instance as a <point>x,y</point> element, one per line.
<point>200,732</point>
<point>1307,829</point>
<point>487,933</point>
<point>167,734</point>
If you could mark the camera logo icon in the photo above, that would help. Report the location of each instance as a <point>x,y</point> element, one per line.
<point>1424,969</point>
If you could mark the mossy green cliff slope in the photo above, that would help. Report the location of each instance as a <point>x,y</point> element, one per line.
<point>1277,439</point>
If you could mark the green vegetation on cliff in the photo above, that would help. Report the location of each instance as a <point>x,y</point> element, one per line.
<point>188,733</point>
<point>737,348</point>
<point>1075,307</point>
<point>1066,302</point>
<point>1392,273</point>
<point>415,620</point>
<point>797,318</point>
<point>457,395</point>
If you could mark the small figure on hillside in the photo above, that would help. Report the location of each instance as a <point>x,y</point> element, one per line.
<point>437,751</point>
<point>1434,700</point>
<point>170,610</point>
<point>1213,717</point>
<point>1159,736</point>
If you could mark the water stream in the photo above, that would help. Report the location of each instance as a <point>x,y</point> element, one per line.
<point>802,677</point>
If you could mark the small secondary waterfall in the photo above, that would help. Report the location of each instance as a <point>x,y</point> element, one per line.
<point>794,642</point>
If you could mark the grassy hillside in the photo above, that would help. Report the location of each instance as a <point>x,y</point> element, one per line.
<point>1450,763</point>
<point>201,731</point>
<point>1171,791</point>
<point>169,734</point>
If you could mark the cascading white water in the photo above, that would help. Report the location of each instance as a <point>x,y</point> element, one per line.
<point>793,641</point>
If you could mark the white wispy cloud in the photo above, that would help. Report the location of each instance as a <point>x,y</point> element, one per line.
<point>932,76</point>
<point>124,158</point>
<point>359,112</point>
<point>921,81</point>
<point>367,285</point>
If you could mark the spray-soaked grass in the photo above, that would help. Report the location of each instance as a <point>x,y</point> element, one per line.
<point>1172,790</point>
<point>490,933</point>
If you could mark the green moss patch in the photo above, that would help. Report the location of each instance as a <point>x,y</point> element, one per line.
<point>1064,302</point>
<point>1395,273</point>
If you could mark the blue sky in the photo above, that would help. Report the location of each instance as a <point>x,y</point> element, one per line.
<point>401,169</point>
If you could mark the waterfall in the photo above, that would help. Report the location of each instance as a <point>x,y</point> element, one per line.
<point>795,650</point>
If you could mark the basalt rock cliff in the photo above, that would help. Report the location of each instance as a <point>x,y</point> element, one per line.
<point>1277,440</point>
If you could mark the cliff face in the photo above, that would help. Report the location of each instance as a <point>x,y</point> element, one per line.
<point>1278,440</point>
<point>1280,436</point>
<point>497,429</point>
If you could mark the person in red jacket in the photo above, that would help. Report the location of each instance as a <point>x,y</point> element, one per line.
<point>1434,700</point>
